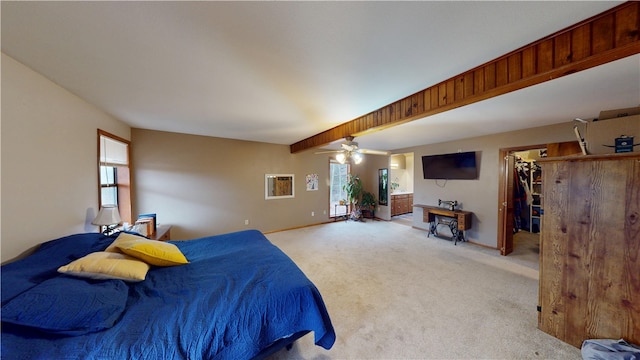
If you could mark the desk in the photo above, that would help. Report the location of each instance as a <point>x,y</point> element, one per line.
<point>457,220</point>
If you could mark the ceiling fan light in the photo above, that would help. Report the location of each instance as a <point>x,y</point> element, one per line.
<point>357,158</point>
<point>341,158</point>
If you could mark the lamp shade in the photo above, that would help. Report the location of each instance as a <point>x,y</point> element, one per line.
<point>108,215</point>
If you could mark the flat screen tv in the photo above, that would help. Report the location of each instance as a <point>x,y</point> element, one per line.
<point>461,166</point>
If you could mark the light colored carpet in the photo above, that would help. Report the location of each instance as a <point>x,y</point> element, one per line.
<point>526,245</point>
<point>393,293</point>
<point>404,219</point>
<point>526,248</point>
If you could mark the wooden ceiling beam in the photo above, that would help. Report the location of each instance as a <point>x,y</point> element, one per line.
<point>609,36</point>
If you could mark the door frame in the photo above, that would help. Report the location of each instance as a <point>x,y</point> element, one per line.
<point>505,197</point>
<point>329,204</point>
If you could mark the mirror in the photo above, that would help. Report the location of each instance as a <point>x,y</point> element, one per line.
<point>278,186</point>
<point>383,177</point>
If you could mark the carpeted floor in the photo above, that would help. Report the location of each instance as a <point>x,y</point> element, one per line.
<point>526,245</point>
<point>404,219</point>
<point>393,293</point>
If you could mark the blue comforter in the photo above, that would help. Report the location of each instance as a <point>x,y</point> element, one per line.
<point>238,296</point>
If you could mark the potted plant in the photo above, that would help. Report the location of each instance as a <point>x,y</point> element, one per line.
<point>368,204</point>
<point>353,189</point>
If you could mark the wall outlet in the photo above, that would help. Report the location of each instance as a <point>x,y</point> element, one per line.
<point>313,213</point>
<point>324,212</point>
<point>246,222</point>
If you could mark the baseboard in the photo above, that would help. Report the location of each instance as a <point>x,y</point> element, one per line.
<point>482,245</point>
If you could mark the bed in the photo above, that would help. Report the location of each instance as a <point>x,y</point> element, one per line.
<point>239,297</point>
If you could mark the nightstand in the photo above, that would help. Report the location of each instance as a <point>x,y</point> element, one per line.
<point>163,233</point>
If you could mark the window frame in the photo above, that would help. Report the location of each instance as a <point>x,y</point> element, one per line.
<point>122,178</point>
<point>108,184</point>
<point>332,205</point>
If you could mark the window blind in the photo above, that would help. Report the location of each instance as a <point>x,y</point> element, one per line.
<point>113,152</point>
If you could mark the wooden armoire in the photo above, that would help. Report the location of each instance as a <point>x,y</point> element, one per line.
<point>590,248</point>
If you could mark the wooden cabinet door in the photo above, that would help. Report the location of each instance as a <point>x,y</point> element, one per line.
<point>402,204</point>
<point>393,204</point>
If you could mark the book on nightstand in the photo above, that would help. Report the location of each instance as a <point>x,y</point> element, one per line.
<point>150,221</point>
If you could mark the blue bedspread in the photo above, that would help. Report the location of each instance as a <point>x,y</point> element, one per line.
<point>238,295</point>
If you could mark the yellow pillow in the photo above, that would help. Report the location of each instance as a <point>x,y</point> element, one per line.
<point>152,252</point>
<point>107,265</point>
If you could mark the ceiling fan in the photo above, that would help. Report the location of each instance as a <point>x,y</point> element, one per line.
<point>351,152</point>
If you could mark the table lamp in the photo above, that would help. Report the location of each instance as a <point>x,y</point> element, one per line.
<point>109,217</point>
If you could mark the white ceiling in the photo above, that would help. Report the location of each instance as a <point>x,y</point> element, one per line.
<point>279,72</point>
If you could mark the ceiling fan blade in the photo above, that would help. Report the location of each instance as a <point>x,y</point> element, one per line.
<point>374,152</point>
<point>351,146</point>
<point>328,152</point>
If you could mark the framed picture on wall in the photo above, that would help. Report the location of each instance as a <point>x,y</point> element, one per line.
<point>383,181</point>
<point>278,186</point>
<point>312,182</point>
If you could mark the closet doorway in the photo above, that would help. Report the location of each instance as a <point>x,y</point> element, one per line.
<point>519,203</point>
<point>505,186</point>
<point>527,191</point>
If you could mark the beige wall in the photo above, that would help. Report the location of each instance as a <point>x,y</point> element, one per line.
<point>49,154</point>
<point>200,185</point>
<point>206,185</point>
<point>404,176</point>
<point>478,196</point>
<point>368,172</point>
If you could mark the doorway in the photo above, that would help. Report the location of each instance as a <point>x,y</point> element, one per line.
<point>505,187</point>
<point>401,184</point>
<point>520,203</point>
<point>527,204</point>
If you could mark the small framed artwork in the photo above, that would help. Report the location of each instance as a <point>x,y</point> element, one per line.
<point>312,182</point>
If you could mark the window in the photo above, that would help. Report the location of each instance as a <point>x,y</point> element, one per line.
<point>108,185</point>
<point>338,176</point>
<point>113,173</point>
